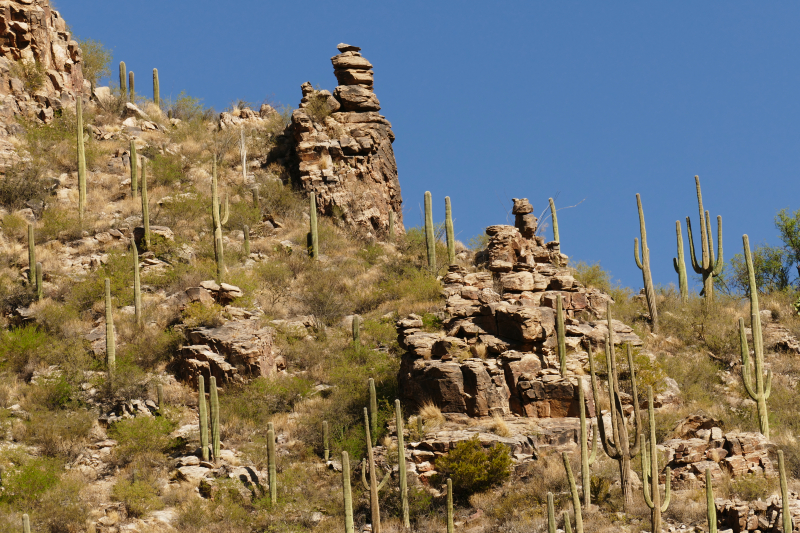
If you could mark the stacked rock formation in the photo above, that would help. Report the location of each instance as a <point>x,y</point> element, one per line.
<point>34,33</point>
<point>345,151</point>
<point>498,351</point>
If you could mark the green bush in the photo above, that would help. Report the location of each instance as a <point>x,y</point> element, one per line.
<point>143,435</point>
<point>27,482</point>
<point>258,400</point>
<point>21,184</point>
<point>96,60</point>
<point>199,315</point>
<point>59,433</point>
<point>32,74</point>
<point>165,170</point>
<point>474,469</point>
<point>592,275</point>
<point>138,496</point>
<point>58,223</point>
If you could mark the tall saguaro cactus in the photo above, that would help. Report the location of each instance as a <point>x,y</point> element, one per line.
<point>111,343</point>
<point>555,220</point>
<point>325,440</point>
<point>373,409</point>
<point>347,494</point>
<point>759,388</point>
<point>137,285</point>
<point>401,463</point>
<point>711,507</point>
<point>202,413</point>
<point>356,330</point>
<point>450,525</point>
<point>551,514</point>
<point>680,265</point>
<point>650,472</point>
<point>31,255</point>
<point>561,336</point>
<point>618,446</point>
<point>145,207</point>
<point>212,389</point>
<point>26,523</point>
<point>81,157</point>
<point>708,266</point>
<point>217,223</point>
<point>313,234</point>
<point>429,233</point>
<point>123,79</point>
<point>39,283</point>
<point>246,232</point>
<point>587,459</point>
<point>273,465</point>
<point>786,515</point>
<point>134,170</point>
<point>644,266</point>
<point>373,486</point>
<point>132,94</point>
<point>451,238</point>
<point>156,92</point>
<point>576,501</point>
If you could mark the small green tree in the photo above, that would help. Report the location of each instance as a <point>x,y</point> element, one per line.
<point>772,266</point>
<point>473,468</point>
<point>96,60</point>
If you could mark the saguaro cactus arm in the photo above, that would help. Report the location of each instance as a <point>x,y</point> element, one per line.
<point>450,526</point>
<point>430,239</point>
<point>156,92</point>
<point>554,216</point>
<point>576,501</point>
<point>123,79</point>
<point>679,263</point>
<point>786,514</point>
<point>202,412</point>
<point>347,494</point>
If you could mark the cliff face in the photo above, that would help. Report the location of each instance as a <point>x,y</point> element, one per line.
<point>344,148</point>
<point>32,32</point>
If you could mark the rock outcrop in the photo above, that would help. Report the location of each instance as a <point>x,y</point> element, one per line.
<point>497,354</point>
<point>344,148</point>
<point>35,34</point>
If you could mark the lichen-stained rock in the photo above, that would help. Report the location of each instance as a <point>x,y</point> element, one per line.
<point>244,344</point>
<point>195,360</point>
<point>346,157</point>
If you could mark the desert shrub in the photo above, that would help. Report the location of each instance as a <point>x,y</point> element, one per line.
<point>165,170</point>
<point>28,481</point>
<point>714,326</point>
<point>61,508</point>
<point>58,433</point>
<point>199,315</point>
<point>143,435</point>
<point>58,223</point>
<point>139,496</point>
<point>27,345</point>
<point>326,295</point>
<point>96,60</point>
<point>258,400</point>
<point>32,74</point>
<point>275,279</point>
<point>592,275</point>
<point>182,210</point>
<point>148,347</point>
<point>127,382</point>
<point>52,147</point>
<point>474,469</point>
<point>750,487</point>
<point>405,281</point>
<point>318,108</point>
<point>22,184</point>
<point>186,108</point>
<point>277,199</point>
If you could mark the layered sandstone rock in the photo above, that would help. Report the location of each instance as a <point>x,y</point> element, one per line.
<point>33,32</point>
<point>344,148</point>
<point>762,516</point>
<point>498,351</point>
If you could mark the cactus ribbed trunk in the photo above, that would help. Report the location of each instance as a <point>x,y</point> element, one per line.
<point>202,413</point>
<point>356,330</point>
<point>786,515</point>
<point>156,92</point>
<point>134,170</point>
<point>110,341</point>
<point>246,232</point>
<point>450,526</point>
<point>132,94</point>
<point>679,264</point>
<point>137,285</point>
<point>347,493</point>
<point>761,389</point>
<point>708,266</point>
<point>26,523</point>
<point>313,237</point>
<point>401,463</point>
<point>39,282</point>
<point>373,409</point>
<point>391,226</point>
<point>272,466</point>
<point>31,256</point>
<point>560,335</point>
<point>551,515</point>
<point>145,207</point>
<point>553,215</point>
<point>586,459</point>
<point>217,224</point>
<point>81,158</point>
<point>644,266</point>
<point>576,500</point>
<point>373,479</point>
<point>650,472</point>
<point>711,507</point>
<point>325,439</point>
<point>215,445</point>
<point>123,80</point>
<point>451,238</point>
<point>429,234</point>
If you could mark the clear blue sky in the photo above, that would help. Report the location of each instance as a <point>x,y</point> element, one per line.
<point>585,100</point>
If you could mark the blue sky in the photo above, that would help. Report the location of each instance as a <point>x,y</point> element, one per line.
<point>591,102</point>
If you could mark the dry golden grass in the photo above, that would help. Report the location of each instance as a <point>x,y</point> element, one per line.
<point>498,426</point>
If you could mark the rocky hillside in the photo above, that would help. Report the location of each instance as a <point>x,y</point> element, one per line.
<point>193,341</point>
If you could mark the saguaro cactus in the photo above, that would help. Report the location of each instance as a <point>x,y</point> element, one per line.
<point>560,335</point>
<point>618,445</point>
<point>450,526</point>
<point>145,207</point>
<point>711,507</point>
<point>451,238</point>
<point>708,266</point>
<point>356,330</point>
<point>576,501</point>
<point>123,79</point>
<point>680,265</point>
<point>273,465</point>
<point>110,341</point>
<point>217,223</point>
<point>650,472</point>
<point>160,395</point>
<point>401,462</point>
<point>555,220</point>
<point>243,153</point>
<point>132,96</point>
<point>26,523</point>
<point>551,515</point>
<point>587,459</point>
<point>786,515</point>
<point>761,389</point>
<point>134,170</point>
<point>212,389</point>
<point>202,413</point>
<point>39,283</point>
<point>373,487</point>
<point>325,438</point>
<point>156,95</point>
<point>644,266</point>
<point>373,409</point>
<point>31,256</point>
<point>391,226</point>
<point>81,157</point>
<point>137,285</point>
<point>246,231</point>
<point>429,235</point>
<point>313,234</point>
<point>347,493</point>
